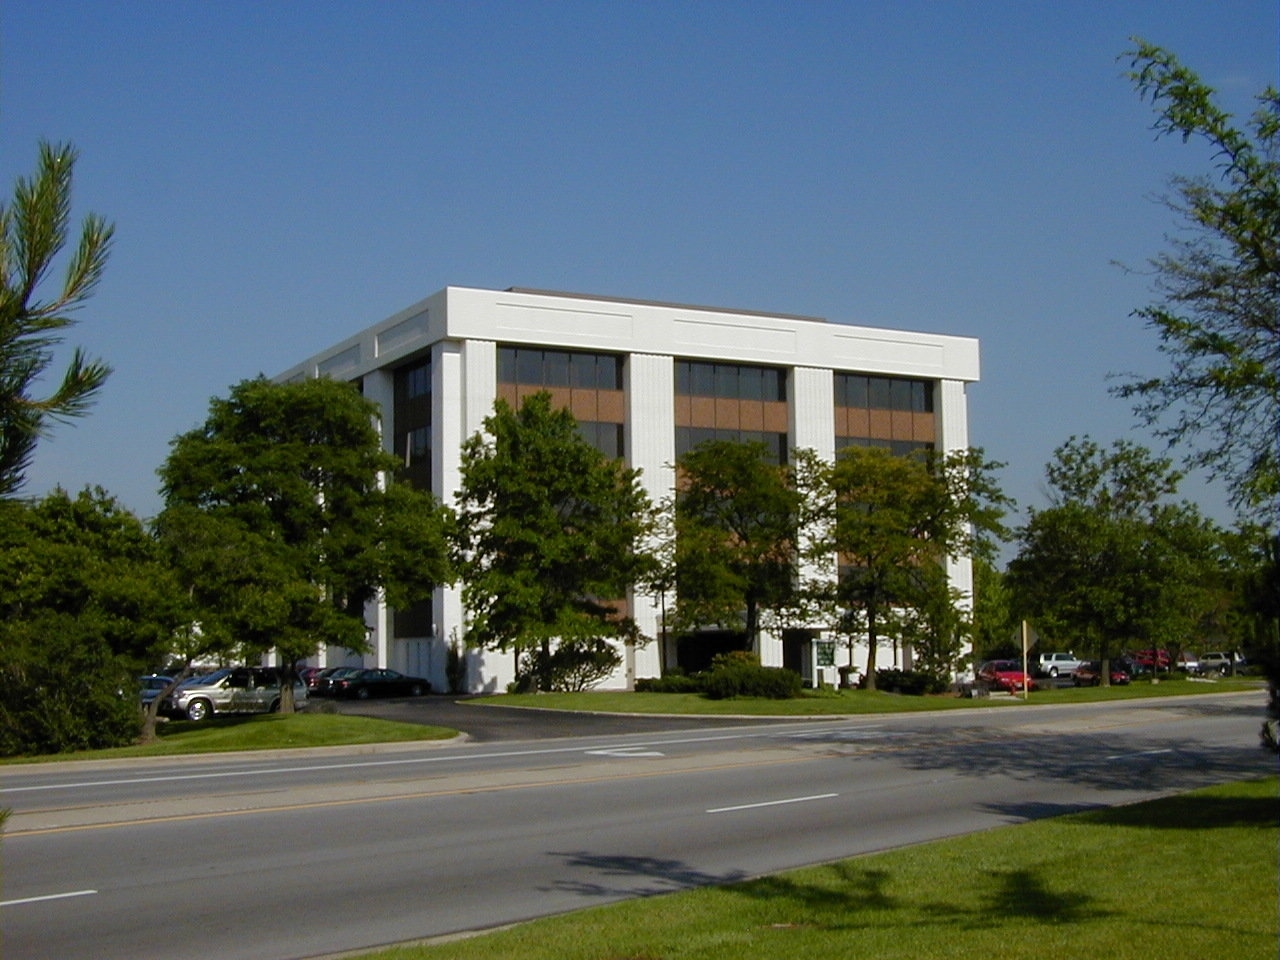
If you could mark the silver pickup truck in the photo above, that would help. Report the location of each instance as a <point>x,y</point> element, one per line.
<point>230,690</point>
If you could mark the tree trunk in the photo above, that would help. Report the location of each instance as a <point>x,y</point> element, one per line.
<point>287,704</point>
<point>872,642</point>
<point>544,668</point>
<point>753,628</point>
<point>148,732</point>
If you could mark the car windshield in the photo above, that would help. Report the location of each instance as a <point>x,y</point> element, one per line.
<point>208,679</point>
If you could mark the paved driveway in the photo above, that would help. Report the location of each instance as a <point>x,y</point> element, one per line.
<point>485,723</point>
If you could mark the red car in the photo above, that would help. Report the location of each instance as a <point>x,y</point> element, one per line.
<point>1147,658</point>
<point>1089,674</point>
<point>1004,675</point>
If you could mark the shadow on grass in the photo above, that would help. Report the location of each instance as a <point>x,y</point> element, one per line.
<point>650,875</point>
<point>1202,813</point>
<point>176,727</point>
<point>844,895</point>
<point>993,898</point>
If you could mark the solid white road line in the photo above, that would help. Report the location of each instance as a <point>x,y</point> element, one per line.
<point>773,803</point>
<point>52,896</point>
<point>1142,753</point>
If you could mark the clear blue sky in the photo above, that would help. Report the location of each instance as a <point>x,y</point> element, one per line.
<point>283,174</point>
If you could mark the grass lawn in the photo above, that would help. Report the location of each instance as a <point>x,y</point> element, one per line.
<point>1192,876</point>
<point>262,732</point>
<point>847,702</point>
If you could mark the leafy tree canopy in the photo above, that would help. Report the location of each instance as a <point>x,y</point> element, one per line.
<point>1113,560</point>
<point>736,526</point>
<point>893,522</point>
<point>1218,313</point>
<point>33,231</point>
<point>86,604</point>
<point>549,531</point>
<point>302,525</point>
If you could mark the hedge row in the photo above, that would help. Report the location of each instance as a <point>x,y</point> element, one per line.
<point>737,674</point>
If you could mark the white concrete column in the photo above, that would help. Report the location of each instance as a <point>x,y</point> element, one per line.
<point>953,434</point>
<point>379,386</point>
<point>813,411</point>
<point>651,448</point>
<point>464,386</point>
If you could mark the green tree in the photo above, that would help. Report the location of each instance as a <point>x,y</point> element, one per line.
<point>86,604</point>
<point>893,522</point>
<point>1113,560</point>
<point>1218,313</point>
<point>994,625</point>
<point>549,532</point>
<point>296,477</point>
<point>736,526</point>
<point>33,231</point>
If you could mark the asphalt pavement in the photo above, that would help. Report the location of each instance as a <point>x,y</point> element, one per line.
<point>484,722</point>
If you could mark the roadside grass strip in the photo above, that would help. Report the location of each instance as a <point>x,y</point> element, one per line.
<point>262,732</point>
<point>1189,876</point>
<point>819,703</point>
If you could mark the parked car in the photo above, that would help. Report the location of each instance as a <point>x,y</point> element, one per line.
<point>321,685</point>
<point>1089,674</point>
<point>1146,659</point>
<point>1004,675</point>
<point>1059,664</point>
<point>1127,665</point>
<point>230,690</point>
<point>1220,663</point>
<point>315,677</point>
<point>363,684</point>
<point>151,685</point>
<point>1188,662</point>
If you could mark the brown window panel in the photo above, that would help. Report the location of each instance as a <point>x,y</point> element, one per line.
<point>611,406</point>
<point>727,415</point>
<point>776,417</point>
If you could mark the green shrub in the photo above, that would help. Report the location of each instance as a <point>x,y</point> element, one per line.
<point>742,678</point>
<point>912,682</point>
<point>570,665</point>
<point>669,683</point>
<point>63,700</point>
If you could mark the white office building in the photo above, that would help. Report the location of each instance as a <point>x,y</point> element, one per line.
<point>646,381</point>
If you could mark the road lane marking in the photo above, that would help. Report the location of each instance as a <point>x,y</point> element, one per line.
<point>364,764</point>
<point>16,834</point>
<point>773,803</point>
<point>625,752</point>
<point>1140,753</point>
<point>52,896</point>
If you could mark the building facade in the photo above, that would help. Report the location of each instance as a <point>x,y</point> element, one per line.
<point>646,381</point>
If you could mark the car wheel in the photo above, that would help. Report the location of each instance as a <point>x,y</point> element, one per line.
<point>198,710</point>
<point>275,706</point>
<point>362,693</point>
<point>1053,671</point>
<point>415,690</point>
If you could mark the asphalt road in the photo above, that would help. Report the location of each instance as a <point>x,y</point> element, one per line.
<point>482,722</point>
<point>311,853</point>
